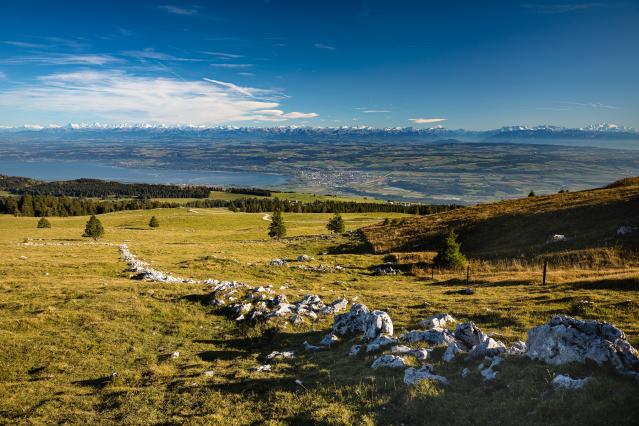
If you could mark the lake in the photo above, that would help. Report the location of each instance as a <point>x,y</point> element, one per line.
<point>61,170</point>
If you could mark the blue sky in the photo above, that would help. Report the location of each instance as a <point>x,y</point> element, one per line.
<point>474,64</point>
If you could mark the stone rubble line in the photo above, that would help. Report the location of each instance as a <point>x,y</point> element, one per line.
<point>560,341</point>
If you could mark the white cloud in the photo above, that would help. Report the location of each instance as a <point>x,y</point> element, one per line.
<point>63,59</point>
<point>247,74</point>
<point>115,96</point>
<point>24,44</point>
<point>223,55</point>
<point>150,53</point>
<point>324,46</point>
<point>376,111</point>
<point>178,10</point>
<point>426,120</point>
<point>232,65</point>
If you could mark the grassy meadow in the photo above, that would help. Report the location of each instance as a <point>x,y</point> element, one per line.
<point>82,342</point>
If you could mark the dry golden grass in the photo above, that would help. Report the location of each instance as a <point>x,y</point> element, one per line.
<point>72,316</point>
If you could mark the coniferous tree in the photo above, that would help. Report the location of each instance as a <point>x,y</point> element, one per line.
<point>44,223</point>
<point>277,229</point>
<point>531,194</point>
<point>93,228</point>
<point>336,224</point>
<point>449,254</point>
<point>154,223</point>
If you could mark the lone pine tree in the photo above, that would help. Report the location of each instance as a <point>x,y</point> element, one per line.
<point>277,229</point>
<point>336,224</point>
<point>449,255</point>
<point>93,228</point>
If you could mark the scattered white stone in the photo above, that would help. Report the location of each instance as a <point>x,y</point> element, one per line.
<point>557,238</point>
<point>277,355</point>
<point>311,348</point>
<point>437,321</point>
<point>412,376</point>
<point>265,367</point>
<point>209,373</point>
<point>488,374</point>
<point>517,348</point>
<point>278,262</point>
<point>329,339</point>
<point>566,382</point>
<point>465,372</point>
<point>624,230</point>
<point>303,258</point>
<point>435,336</point>
<point>23,257</point>
<point>388,361</point>
<point>175,355</point>
<point>355,350</point>
<point>451,351</point>
<point>496,361</point>
<point>377,323</point>
<point>380,342</point>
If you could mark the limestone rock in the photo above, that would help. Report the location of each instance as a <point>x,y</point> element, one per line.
<point>355,350</point>
<point>388,361</point>
<point>437,321</point>
<point>434,336</point>
<point>451,351</point>
<point>351,322</point>
<point>329,339</point>
<point>564,339</point>
<point>488,374</point>
<point>377,323</point>
<point>412,376</point>
<point>566,382</point>
<point>380,342</point>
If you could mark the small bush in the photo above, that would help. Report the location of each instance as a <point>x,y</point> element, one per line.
<point>154,223</point>
<point>44,223</point>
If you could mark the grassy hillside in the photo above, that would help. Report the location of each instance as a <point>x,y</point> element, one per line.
<point>522,227</point>
<point>72,317</point>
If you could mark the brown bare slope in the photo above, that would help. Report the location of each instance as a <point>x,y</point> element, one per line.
<point>588,219</point>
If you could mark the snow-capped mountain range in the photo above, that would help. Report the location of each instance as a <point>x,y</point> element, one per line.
<point>600,127</point>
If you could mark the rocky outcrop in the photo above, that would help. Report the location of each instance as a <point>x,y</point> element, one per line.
<point>434,336</point>
<point>413,376</point>
<point>564,339</point>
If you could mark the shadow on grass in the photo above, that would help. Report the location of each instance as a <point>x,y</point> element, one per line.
<point>620,284</point>
<point>227,355</point>
<point>97,383</point>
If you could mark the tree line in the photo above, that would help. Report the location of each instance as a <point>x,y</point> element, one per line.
<point>260,205</point>
<point>48,205</point>
<point>97,188</point>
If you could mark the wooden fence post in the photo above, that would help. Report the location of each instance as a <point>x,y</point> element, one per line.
<point>543,282</point>
<point>467,274</point>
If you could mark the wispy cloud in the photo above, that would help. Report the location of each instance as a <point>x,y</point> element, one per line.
<point>24,44</point>
<point>375,111</point>
<point>63,59</point>
<point>246,74</point>
<point>324,46</point>
<point>231,65</point>
<point>150,53</point>
<point>179,10</point>
<point>3,76</point>
<point>558,8</point>
<point>426,120</point>
<point>116,96</point>
<point>594,105</point>
<point>223,55</point>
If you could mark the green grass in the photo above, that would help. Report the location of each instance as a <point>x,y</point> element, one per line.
<point>72,316</point>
